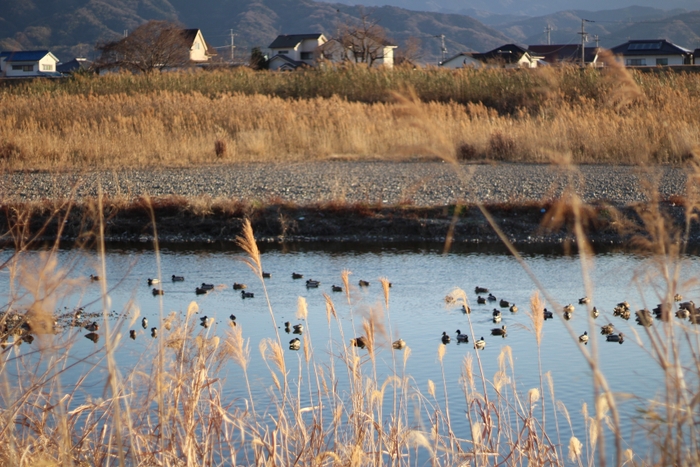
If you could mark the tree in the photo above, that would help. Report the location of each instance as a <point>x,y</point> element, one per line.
<point>364,39</point>
<point>410,53</point>
<point>154,45</point>
<point>258,60</point>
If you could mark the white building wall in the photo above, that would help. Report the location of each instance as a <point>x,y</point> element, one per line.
<point>198,51</point>
<point>651,60</point>
<point>461,61</point>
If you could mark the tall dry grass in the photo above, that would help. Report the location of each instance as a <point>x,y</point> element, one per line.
<point>180,119</point>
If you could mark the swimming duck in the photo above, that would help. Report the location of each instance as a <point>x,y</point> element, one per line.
<point>625,314</point>
<point>547,314</point>
<point>615,338</point>
<point>266,275</point>
<point>287,327</point>
<point>480,344</point>
<point>569,308</point>
<point>607,329</point>
<point>567,315</point>
<point>158,291</point>
<point>207,286</point>
<point>201,291</point>
<point>479,290</point>
<point>178,278</point>
<point>644,317</point>
<point>94,278</point>
<point>237,286</point>
<point>298,328</point>
<point>232,317</point>
<point>205,321</point>
<point>153,281</point>
<point>462,337</point>
<point>92,327</point>
<point>144,322</point>
<point>310,283</point>
<point>154,332</point>
<point>504,303</point>
<point>295,344</point>
<point>363,283</point>
<point>513,308</point>
<point>496,316</point>
<point>399,344</point>
<point>92,336</point>
<point>466,310</point>
<point>245,294</point>
<point>499,331</point>
<point>491,298</point>
<point>359,342</point>
<point>583,338</point>
<point>445,338</point>
<point>678,297</point>
<point>336,288</point>
<point>480,300</point>
<point>584,300</point>
<point>682,313</point>
<point>296,275</point>
<point>132,334</point>
<point>594,312</point>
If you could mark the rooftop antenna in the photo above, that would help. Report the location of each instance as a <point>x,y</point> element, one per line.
<point>548,30</point>
<point>584,36</point>
<point>443,47</point>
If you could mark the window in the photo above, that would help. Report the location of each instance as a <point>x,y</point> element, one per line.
<point>307,55</point>
<point>662,61</point>
<point>28,68</point>
<point>196,46</point>
<point>636,62</point>
<point>283,52</point>
<point>46,67</point>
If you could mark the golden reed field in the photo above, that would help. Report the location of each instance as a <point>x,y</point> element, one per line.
<point>180,119</point>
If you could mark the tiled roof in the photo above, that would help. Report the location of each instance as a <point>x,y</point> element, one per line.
<point>24,56</point>
<point>291,40</point>
<point>649,47</point>
<point>563,52</point>
<point>509,53</point>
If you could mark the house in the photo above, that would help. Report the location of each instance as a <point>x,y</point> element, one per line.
<point>370,51</point>
<point>565,53</point>
<point>657,52</point>
<point>291,51</point>
<point>26,64</point>
<point>200,51</point>
<point>506,56</point>
<point>75,65</point>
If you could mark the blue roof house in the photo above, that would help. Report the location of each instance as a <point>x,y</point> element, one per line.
<point>25,64</point>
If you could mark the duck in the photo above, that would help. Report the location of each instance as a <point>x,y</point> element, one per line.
<point>499,331</point>
<point>206,321</point>
<point>158,291</point>
<point>583,338</point>
<point>94,278</point>
<point>237,286</point>
<point>398,344</point>
<point>682,313</point>
<point>132,334</point>
<point>178,278</point>
<point>678,297</point>
<point>287,327</point>
<point>245,294</point>
<point>296,275</point>
<point>232,317</point>
<point>78,314</point>
<point>363,283</point>
<point>569,308</point>
<point>295,344</point>
<point>479,290</point>
<point>207,286</point>
<point>154,332</point>
<point>625,314</point>
<point>201,291</point>
<point>144,322</point>
<point>336,288</point>
<point>360,342</point>
<point>644,317</point>
<point>92,336</point>
<point>513,308</point>
<point>480,300</point>
<point>266,275</point>
<point>298,328</point>
<point>504,303</point>
<point>607,329</point>
<point>594,312</point>
<point>496,316</point>
<point>584,300</point>
<point>462,337</point>
<point>310,283</point>
<point>567,315</point>
<point>466,310</point>
<point>547,314</point>
<point>480,344</point>
<point>92,327</point>
<point>153,281</point>
<point>690,306</point>
<point>615,338</point>
<point>445,338</point>
<point>491,297</point>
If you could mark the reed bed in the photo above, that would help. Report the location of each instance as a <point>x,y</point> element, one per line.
<point>180,119</point>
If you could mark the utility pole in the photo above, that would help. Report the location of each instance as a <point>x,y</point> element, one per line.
<point>233,47</point>
<point>583,40</point>
<point>596,39</point>
<point>443,47</point>
<point>548,30</point>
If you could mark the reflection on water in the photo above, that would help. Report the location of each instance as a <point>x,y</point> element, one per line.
<point>421,277</point>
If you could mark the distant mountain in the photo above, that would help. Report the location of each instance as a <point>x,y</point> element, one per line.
<point>73,27</point>
<point>612,27</point>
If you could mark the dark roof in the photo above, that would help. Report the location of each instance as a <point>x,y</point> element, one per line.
<point>291,40</point>
<point>293,63</point>
<point>556,53</point>
<point>74,65</point>
<point>649,47</point>
<point>508,53</point>
<point>24,56</point>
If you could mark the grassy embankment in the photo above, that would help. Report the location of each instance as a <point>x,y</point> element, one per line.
<point>180,119</point>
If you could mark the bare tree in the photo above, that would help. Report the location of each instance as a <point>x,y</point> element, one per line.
<point>154,45</point>
<point>364,39</point>
<point>410,53</point>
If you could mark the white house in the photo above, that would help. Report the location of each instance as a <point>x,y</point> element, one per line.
<point>200,51</point>
<point>658,52</point>
<point>25,64</point>
<point>381,53</point>
<point>506,56</point>
<point>290,51</point>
